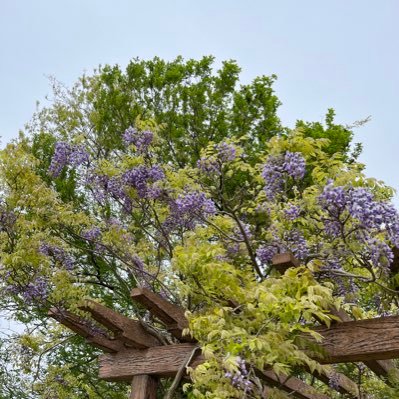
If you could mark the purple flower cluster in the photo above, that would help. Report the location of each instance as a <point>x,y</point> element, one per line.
<point>370,213</point>
<point>36,290</point>
<point>209,166</point>
<point>189,209</point>
<point>292,241</point>
<point>67,154</point>
<point>277,169</point>
<point>378,253</point>
<point>297,244</point>
<point>359,203</point>
<point>226,152</point>
<point>142,178</point>
<point>333,381</point>
<point>104,186</point>
<point>240,379</point>
<point>265,253</point>
<point>213,165</point>
<point>292,212</point>
<point>92,234</point>
<point>246,231</point>
<point>7,219</point>
<point>294,165</point>
<point>140,139</point>
<point>332,228</point>
<point>58,254</point>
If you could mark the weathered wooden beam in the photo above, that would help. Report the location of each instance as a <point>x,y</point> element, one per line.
<point>343,383</point>
<point>351,341</point>
<point>361,340</point>
<point>292,385</point>
<point>82,327</point>
<point>282,262</point>
<point>172,316</point>
<point>129,331</point>
<point>144,387</point>
<point>163,361</point>
<point>382,368</point>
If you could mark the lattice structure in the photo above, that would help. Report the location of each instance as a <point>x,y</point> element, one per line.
<point>137,354</point>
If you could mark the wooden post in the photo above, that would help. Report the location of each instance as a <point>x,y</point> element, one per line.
<point>144,387</point>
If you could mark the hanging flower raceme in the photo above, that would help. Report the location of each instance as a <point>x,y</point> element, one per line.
<point>142,178</point>
<point>223,154</point>
<point>278,168</point>
<point>140,139</point>
<point>188,210</point>
<point>359,203</point>
<point>35,291</point>
<point>67,154</point>
<point>59,255</point>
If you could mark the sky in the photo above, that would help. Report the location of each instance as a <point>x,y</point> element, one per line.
<point>341,54</point>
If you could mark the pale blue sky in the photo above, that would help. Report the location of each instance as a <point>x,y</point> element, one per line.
<point>338,53</point>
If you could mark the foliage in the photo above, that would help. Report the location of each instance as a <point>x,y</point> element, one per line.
<point>174,177</point>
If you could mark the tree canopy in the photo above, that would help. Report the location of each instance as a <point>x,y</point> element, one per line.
<point>176,177</point>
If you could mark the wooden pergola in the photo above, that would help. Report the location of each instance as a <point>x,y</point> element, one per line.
<point>136,354</point>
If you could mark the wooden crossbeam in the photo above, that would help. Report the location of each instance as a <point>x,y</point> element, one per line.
<point>382,368</point>
<point>350,341</point>
<point>82,327</point>
<point>292,385</point>
<point>282,262</point>
<point>165,361</point>
<point>153,301</point>
<point>356,341</point>
<point>143,384</point>
<point>129,331</point>
<point>343,383</point>
<point>172,316</point>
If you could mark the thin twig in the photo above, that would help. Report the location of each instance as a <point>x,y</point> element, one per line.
<point>179,375</point>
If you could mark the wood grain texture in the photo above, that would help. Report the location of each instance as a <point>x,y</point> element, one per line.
<point>126,330</point>
<point>162,361</point>
<point>361,340</point>
<point>344,384</point>
<point>382,368</point>
<point>172,316</point>
<point>282,262</point>
<point>292,385</point>
<point>82,327</point>
<point>144,387</point>
<point>165,361</point>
